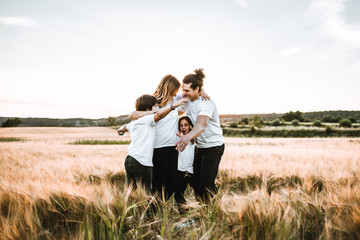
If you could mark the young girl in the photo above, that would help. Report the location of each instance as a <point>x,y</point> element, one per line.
<point>185,164</point>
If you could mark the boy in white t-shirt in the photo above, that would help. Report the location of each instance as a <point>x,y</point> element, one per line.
<point>185,164</point>
<point>138,162</point>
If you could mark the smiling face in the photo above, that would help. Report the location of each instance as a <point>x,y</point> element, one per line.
<point>184,127</point>
<point>190,93</point>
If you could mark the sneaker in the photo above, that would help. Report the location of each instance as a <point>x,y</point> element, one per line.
<point>186,224</point>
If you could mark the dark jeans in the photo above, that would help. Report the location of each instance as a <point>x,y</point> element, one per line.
<point>138,174</point>
<point>165,162</point>
<point>206,167</point>
<point>184,178</point>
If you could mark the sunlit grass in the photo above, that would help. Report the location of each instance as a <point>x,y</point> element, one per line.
<point>268,189</point>
<point>99,142</point>
<point>11,139</point>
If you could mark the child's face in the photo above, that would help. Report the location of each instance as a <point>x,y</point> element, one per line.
<point>184,127</point>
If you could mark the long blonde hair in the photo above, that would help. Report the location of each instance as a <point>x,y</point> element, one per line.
<point>166,89</point>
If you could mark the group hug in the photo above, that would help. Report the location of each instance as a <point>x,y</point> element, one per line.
<point>176,141</point>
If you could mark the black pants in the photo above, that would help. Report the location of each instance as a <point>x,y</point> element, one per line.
<point>206,167</point>
<point>165,162</point>
<point>184,178</point>
<point>138,174</point>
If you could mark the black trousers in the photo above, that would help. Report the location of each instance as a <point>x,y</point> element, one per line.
<point>206,167</point>
<point>184,178</point>
<point>165,161</point>
<point>138,174</point>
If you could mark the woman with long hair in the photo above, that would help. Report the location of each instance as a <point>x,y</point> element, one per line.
<point>165,157</point>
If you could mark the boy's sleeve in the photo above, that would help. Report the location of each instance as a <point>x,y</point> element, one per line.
<point>129,126</point>
<point>150,120</point>
<point>206,108</point>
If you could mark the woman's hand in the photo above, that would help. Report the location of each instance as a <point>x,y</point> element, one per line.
<point>180,102</point>
<point>204,95</point>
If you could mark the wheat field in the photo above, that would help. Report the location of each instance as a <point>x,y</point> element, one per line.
<point>283,188</point>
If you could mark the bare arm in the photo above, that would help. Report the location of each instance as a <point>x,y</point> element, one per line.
<point>196,131</point>
<point>166,110</point>
<point>122,130</point>
<point>138,114</point>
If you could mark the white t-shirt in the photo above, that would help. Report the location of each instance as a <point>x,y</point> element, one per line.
<point>142,133</point>
<point>166,129</point>
<point>212,135</point>
<point>186,158</point>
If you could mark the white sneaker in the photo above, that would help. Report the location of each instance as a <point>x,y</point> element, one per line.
<point>186,224</point>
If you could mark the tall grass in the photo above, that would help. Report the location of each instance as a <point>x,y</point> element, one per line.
<point>266,208</point>
<point>268,189</point>
<point>11,139</point>
<point>99,142</point>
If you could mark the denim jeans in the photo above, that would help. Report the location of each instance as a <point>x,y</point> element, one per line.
<point>138,174</point>
<point>206,167</point>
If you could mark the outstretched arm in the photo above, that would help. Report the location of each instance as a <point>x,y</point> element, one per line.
<point>166,110</point>
<point>138,114</point>
<point>122,130</point>
<point>196,131</point>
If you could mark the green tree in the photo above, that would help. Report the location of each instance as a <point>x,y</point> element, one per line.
<point>276,122</point>
<point>352,119</point>
<point>317,123</point>
<point>234,125</point>
<point>11,122</point>
<point>295,122</point>
<point>345,123</point>
<point>244,121</point>
<point>328,119</point>
<point>328,130</point>
<point>111,121</point>
<point>293,115</point>
<point>256,121</point>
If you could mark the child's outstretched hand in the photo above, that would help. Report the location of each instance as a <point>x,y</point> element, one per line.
<point>122,130</point>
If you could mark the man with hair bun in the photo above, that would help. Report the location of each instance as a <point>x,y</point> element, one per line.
<point>210,142</point>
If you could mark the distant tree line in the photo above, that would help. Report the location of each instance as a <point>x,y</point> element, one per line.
<point>67,122</point>
<point>345,120</point>
<point>11,122</point>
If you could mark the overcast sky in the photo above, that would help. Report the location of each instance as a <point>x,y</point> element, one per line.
<point>92,59</point>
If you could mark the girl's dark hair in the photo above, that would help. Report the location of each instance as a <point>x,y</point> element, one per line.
<point>145,102</point>
<point>187,119</point>
<point>196,80</point>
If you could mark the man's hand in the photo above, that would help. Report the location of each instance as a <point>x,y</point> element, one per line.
<point>182,142</point>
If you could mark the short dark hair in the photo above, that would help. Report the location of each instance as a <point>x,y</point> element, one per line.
<point>196,80</point>
<point>145,102</point>
<point>187,119</point>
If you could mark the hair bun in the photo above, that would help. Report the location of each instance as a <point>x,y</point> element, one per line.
<point>199,74</point>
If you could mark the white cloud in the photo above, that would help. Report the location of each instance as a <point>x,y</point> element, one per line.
<point>355,68</point>
<point>242,3</point>
<point>18,21</point>
<point>293,50</point>
<point>329,13</point>
<point>182,31</point>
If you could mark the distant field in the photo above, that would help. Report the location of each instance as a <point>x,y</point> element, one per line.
<point>283,188</point>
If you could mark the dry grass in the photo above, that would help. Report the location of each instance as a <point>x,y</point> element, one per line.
<point>269,189</point>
